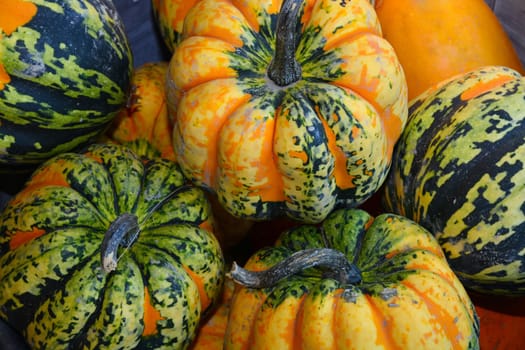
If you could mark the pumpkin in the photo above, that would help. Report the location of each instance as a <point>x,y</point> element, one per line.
<point>65,69</point>
<point>169,17</point>
<point>118,246</point>
<point>144,126</point>
<point>285,108</point>
<point>352,282</point>
<point>211,333</point>
<point>458,171</point>
<point>436,40</point>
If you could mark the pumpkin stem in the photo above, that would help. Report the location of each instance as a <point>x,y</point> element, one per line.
<point>338,266</point>
<point>123,231</point>
<point>284,68</point>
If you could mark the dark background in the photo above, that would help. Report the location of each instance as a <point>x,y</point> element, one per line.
<point>143,34</point>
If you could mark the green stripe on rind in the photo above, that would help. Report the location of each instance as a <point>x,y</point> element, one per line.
<point>70,69</point>
<point>125,171</point>
<point>26,146</point>
<point>63,266</point>
<point>64,313</point>
<point>459,171</point>
<point>26,57</point>
<point>175,295</point>
<point>116,325</point>
<point>58,253</point>
<point>192,247</point>
<point>48,208</point>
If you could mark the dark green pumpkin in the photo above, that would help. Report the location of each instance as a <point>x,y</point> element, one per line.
<point>459,171</point>
<point>105,250</point>
<point>65,69</point>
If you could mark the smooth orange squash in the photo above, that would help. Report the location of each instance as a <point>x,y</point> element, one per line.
<point>435,40</point>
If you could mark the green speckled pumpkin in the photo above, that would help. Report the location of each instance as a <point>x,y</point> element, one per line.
<point>65,70</point>
<point>285,107</point>
<point>106,250</point>
<point>353,282</point>
<point>459,171</point>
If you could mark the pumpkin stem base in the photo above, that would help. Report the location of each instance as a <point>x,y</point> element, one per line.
<point>338,266</point>
<point>123,231</point>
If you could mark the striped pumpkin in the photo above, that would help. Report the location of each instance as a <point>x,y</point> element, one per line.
<point>458,170</point>
<point>106,250</point>
<point>369,283</point>
<point>285,107</point>
<point>65,68</point>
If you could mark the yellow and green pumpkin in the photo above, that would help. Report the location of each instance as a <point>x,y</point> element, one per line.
<point>458,170</point>
<point>352,282</point>
<point>107,250</point>
<point>285,107</point>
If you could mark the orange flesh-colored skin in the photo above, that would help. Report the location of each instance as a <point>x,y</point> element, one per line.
<point>268,174</point>
<point>204,298</point>
<point>210,335</point>
<point>146,116</point>
<point>174,11</point>
<point>482,87</point>
<point>15,13</point>
<point>151,315</point>
<point>502,322</point>
<point>436,40</point>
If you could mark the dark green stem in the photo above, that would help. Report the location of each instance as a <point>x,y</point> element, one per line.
<point>122,232</point>
<point>284,68</point>
<point>338,266</point>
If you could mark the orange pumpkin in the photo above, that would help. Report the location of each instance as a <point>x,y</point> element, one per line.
<point>211,334</point>
<point>285,108</point>
<point>435,40</point>
<point>144,125</point>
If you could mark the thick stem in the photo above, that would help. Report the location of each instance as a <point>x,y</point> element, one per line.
<point>284,68</point>
<point>123,231</point>
<point>338,266</point>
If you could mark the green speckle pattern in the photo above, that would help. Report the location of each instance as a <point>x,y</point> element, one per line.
<point>50,259</point>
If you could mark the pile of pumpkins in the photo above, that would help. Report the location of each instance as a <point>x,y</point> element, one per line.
<point>287,119</point>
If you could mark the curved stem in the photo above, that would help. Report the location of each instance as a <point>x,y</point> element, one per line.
<point>336,262</point>
<point>123,231</point>
<point>284,68</point>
